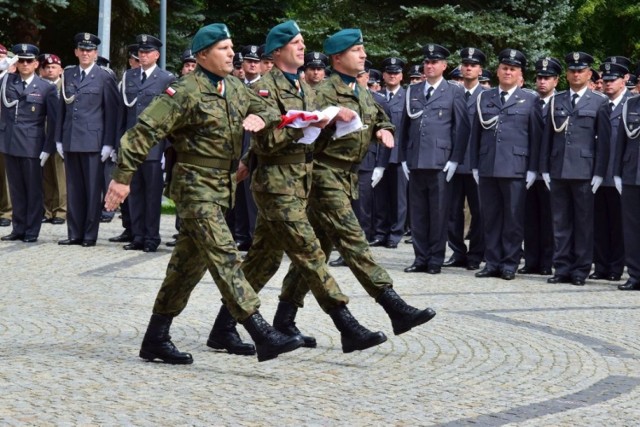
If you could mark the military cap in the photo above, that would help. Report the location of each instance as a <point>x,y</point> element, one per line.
<point>612,71</point>
<point>237,59</point>
<point>280,35</point>
<point>27,51</point>
<point>578,60</point>
<point>548,66</point>
<point>49,58</point>
<point>367,65</point>
<point>3,50</point>
<point>513,57</point>
<point>471,55</point>
<point>633,80</point>
<point>343,40</point>
<point>132,51</point>
<point>392,65</point>
<point>455,74</point>
<point>485,76</point>
<point>619,60</point>
<point>263,54</point>
<point>209,35</point>
<point>102,61</point>
<point>250,52</point>
<point>415,71</point>
<point>435,52</point>
<point>86,41</point>
<point>315,60</point>
<point>375,76</point>
<point>595,75</point>
<point>187,56</point>
<point>147,43</point>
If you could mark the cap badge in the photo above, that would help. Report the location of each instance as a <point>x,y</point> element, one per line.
<point>545,64</point>
<point>316,55</point>
<point>144,38</point>
<point>471,52</point>
<point>512,54</point>
<point>607,66</point>
<point>254,49</point>
<point>87,36</point>
<point>295,25</point>
<point>226,31</point>
<point>576,56</point>
<point>431,48</point>
<point>393,61</point>
<point>613,60</point>
<point>24,48</point>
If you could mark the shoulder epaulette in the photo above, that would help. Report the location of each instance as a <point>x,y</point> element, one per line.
<point>453,82</point>
<point>68,67</point>
<point>530,91</point>
<point>599,93</point>
<point>560,93</point>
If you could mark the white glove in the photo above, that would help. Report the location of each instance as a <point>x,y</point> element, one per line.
<point>476,176</point>
<point>376,176</point>
<point>450,169</point>
<point>7,62</point>
<point>59,149</point>
<point>618,182</point>
<point>106,152</point>
<point>114,156</point>
<point>547,180</point>
<point>163,161</point>
<point>595,183</point>
<point>531,178</point>
<point>43,158</point>
<point>405,169</point>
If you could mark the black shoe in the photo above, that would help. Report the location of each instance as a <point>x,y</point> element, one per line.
<point>4,222</point>
<point>630,285</point>
<point>30,239</point>
<point>106,218</point>
<point>171,243</point>
<point>545,272</point>
<point>269,342</point>
<point>508,275</point>
<point>150,247</point>
<point>243,246</point>
<point>57,221</point>
<point>472,265</point>
<point>455,262</point>
<point>613,277</point>
<point>224,335</point>
<point>45,220</point>
<point>529,270</point>
<point>433,269</point>
<point>407,233</point>
<point>409,241</point>
<point>598,275</point>
<point>377,242</point>
<point>157,343</point>
<point>11,237</point>
<point>391,245</point>
<point>124,237</point>
<point>403,316</point>
<point>338,262</point>
<point>88,243</point>
<point>68,242</point>
<point>284,321</point>
<point>577,281</point>
<point>486,272</point>
<point>558,279</point>
<point>353,335</point>
<point>133,246</point>
<point>416,268</point>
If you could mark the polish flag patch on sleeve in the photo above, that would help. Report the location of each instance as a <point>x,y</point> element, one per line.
<point>263,92</point>
<point>170,91</point>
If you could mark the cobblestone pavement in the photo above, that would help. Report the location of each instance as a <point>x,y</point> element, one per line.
<point>499,353</point>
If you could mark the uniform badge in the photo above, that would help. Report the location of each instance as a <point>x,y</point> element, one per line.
<point>170,91</point>
<point>431,48</point>
<point>24,48</point>
<point>471,52</point>
<point>393,61</point>
<point>144,38</point>
<point>576,56</point>
<point>607,66</point>
<point>226,31</point>
<point>512,54</point>
<point>254,49</point>
<point>87,36</point>
<point>316,55</point>
<point>545,64</point>
<point>295,25</point>
<point>613,60</point>
<point>263,93</point>
<point>33,108</point>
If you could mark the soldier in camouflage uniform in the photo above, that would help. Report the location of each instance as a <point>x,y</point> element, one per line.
<point>203,115</point>
<point>335,185</point>
<point>280,185</point>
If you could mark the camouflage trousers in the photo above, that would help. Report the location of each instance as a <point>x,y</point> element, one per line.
<point>206,244</point>
<point>336,225</point>
<point>282,227</point>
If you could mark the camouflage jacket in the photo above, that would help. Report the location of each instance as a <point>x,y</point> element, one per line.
<point>351,148</point>
<point>202,125</point>
<point>292,178</point>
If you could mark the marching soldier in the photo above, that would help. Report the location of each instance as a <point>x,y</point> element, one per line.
<point>314,65</point>
<point>573,162</point>
<point>608,249</point>
<point>463,186</point>
<point>538,230</point>
<point>505,142</point>
<point>85,136</point>
<point>434,135</point>
<point>29,108</point>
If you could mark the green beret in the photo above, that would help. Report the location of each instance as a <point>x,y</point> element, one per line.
<point>342,40</point>
<point>206,36</point>
<point>280,35</point>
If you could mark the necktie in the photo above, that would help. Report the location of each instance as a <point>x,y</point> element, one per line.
<point>612,106</point>
<point>429,92</point>
<point>82,76</point>
<point>144,77</point>
<point>574,99</point>
<point>467,94</point>
<point>390,96</point>
<point>541,102</point>
<point>24,84</point>
<point>220,87</point>
<point>503,96</point>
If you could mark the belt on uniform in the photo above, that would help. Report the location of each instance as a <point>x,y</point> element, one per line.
<point>337,163</point>
<point>205,162</point>
<point>289,159</point>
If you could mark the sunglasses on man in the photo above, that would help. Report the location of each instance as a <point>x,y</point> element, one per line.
<point>26,60</point>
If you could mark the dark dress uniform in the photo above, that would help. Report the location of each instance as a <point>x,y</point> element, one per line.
<point>26,131</point>
<point>575,148</point>
<point>87,122</point>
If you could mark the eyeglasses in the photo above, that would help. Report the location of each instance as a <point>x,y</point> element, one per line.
<point>26,60</point>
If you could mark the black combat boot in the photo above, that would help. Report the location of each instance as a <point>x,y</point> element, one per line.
<point>224,335</point>
<point>403,316</point>
<point>284,321</point>
<point>269,342</point>
<point>157,344</point>
<point>354,335</point>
